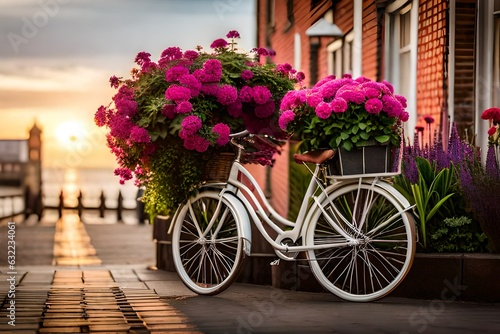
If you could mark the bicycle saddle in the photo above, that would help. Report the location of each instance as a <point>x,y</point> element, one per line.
<point>316,157</point>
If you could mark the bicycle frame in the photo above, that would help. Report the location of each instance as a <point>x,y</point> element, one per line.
<point>258,216</point>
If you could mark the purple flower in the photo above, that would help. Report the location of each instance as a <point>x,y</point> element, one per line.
<point>284,69</point>
<point>174,73</point>
<point>218,43</point>
<point>261,51</point>
<point>323,110</point>
<point>139,135</point>
<point>126,106</point>
<point>210,89</point>
<point>404,116</point>
<point>119,126</point>
<point>388,85</point>
<point>246,75</point>
<point>190,125</point>
<point>223,131</point>
<point>373,106</point>
<point>177,93</point>
<point>339,105</point>
<point>371,93</point>
<point>227,95</point>
<point>261,94</point>
<point>265,110</point>
<point>401,100</point>
<point>286,117</point>
<point>233,34</point>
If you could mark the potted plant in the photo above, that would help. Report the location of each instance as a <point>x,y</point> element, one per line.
<point>346,114</point>
<point>174,116</point>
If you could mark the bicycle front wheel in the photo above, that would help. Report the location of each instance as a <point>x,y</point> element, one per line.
<point>379,248</point>
<point>207,247</point>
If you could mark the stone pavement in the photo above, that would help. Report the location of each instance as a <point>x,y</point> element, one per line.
<point>56,281</point>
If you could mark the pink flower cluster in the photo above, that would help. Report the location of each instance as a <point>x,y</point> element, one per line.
<point>332,96</point>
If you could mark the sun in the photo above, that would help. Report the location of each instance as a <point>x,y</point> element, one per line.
<point>70,133</point>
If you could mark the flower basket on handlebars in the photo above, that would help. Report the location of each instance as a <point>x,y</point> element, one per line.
<point>218,168</point>
<point>366,161</point>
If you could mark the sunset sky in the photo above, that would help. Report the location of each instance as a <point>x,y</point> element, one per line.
<point>56,57</point>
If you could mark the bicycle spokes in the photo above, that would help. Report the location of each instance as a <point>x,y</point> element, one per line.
<point>380,250</point>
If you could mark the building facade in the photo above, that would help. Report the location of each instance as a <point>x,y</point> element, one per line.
<point>442,55</point>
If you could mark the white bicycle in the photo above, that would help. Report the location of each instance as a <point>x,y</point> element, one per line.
<point>358,232</point>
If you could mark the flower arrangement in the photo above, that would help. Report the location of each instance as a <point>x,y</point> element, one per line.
<point>173,115</point>
<point>493,115</point>
<point>344,113</point>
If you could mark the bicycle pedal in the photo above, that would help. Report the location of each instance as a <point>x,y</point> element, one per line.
<point>275,262</point>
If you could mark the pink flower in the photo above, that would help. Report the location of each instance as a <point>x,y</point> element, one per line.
<point>210,89</point>
<point>286,117</point>
<point>227,95</point>
<point>233,34</point>
<point>174,73</point>
<point>373,106</point>
<point>172,53</point>
<point>139,135</point>
<point>223,131</point>
<point>235,109</point>
<point>246,75</point>
<point>125,174</point>
<point>351,93</point>
<point>190,125</point>
<point>218,43</point>
<point>293,98</point>
<point>142,57</point>
<point>114,81</point>
<point>300,76</point>
<point>371,93</point>
<point>265,110</point>
<point>177,93</point>
<point>101,116</point>
<point>404,117</point>
<point>261,94</point>
<point>189,81</point>
<point>391,106</point>
<point>183,107</point>
<point>246,94</point>
<point>314,99</point>
<point>339,105</point>
<point>388,85</point>
<point>191,54</point>
<point>213,70</point>
<point>401,100</point>
<point>169,110</point>
<point>196,143</point>
<point>323,110</point>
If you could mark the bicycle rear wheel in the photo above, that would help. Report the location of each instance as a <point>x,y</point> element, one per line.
<point>379,253</point>
<point>208,257</point>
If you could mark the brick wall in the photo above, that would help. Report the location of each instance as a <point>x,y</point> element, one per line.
<point>430,72</point>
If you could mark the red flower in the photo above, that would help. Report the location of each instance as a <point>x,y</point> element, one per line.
<point>491,113</point>
<point>491,131</point>
<point>429,119</point>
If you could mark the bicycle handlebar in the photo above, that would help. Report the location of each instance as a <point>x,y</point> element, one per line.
<point>239,134</point>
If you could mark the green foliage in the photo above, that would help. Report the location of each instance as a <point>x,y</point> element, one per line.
<point>429,193</point>
<point>457,234</point>
<point>175,178</point>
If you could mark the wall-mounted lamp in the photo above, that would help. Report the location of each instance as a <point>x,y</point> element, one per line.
<point>322,28</point>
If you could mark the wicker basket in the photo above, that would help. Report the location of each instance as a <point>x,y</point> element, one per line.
<point>218,168</point>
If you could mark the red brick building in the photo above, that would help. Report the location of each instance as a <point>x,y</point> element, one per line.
<point>442,55</point>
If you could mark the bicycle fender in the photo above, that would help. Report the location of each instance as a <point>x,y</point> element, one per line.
<point>243,218</point>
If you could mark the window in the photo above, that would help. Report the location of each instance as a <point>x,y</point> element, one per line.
<point>401,33</point>
<point>340,59</point>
